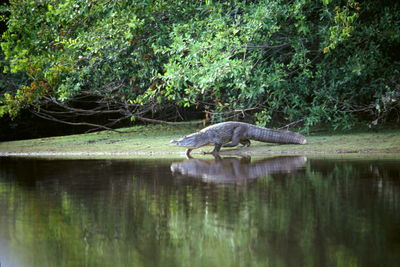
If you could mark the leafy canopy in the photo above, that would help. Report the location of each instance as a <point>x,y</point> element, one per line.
<point>275,61</point>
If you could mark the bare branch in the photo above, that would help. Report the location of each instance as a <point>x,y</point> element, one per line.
<point>81,112</point>
<point>290,124</point>
<point>51,118</point>
<point>265,46</point>
<point>154,120</point>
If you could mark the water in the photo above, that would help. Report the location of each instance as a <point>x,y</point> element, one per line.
<point>285,211</point>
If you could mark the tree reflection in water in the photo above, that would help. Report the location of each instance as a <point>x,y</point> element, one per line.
<point>268,212</point>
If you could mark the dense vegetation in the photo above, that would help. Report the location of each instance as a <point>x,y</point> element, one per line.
<point>302,62</point>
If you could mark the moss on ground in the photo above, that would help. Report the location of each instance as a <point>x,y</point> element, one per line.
<point>154,140</point>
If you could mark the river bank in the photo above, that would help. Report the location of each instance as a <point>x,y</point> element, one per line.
<point>153,140</point>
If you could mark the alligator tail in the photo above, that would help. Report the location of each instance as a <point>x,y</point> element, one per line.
<point>275,136</point>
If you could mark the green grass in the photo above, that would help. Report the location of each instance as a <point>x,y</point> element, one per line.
<point>154,140</point>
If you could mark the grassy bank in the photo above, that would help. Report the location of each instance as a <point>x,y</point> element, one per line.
<point>154,140</point>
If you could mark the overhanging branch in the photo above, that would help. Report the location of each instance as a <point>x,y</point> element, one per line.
<point>265,46</point>
<point>52,118</point>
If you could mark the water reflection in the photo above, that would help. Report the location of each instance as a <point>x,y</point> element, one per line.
<point>235,170</point>
<point>136,213</point>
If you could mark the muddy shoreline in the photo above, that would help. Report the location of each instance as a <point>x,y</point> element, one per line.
<point>235,152</point>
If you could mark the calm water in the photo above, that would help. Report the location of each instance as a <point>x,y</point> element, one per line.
<point>285,211</point>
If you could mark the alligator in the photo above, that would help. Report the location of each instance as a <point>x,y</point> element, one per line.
<point>231,133</point>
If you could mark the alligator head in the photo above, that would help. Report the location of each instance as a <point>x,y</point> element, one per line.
<point>194,140</point>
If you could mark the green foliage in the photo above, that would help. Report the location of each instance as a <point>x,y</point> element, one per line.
<point>277,61</point>
<point>101,48</point>
<point>297,61</point>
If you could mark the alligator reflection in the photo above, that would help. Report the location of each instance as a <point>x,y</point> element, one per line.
<point>235,170</point>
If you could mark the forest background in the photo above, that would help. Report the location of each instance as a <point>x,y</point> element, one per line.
<point>103,63</point>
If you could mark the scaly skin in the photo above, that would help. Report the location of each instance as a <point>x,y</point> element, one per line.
<point>231,133</point>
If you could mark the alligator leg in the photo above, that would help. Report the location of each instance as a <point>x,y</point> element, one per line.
<point>245,142</point>
<point>235,138</point>
<point>217,148</point>
<point>215,151</point>
<point>188,153</point>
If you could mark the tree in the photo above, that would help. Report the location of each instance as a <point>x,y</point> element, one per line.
<point>276,61</point>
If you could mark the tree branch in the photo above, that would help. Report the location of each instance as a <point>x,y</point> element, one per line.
<point>98,126</point>
<point>291,124</point>
<point>265,46</point>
